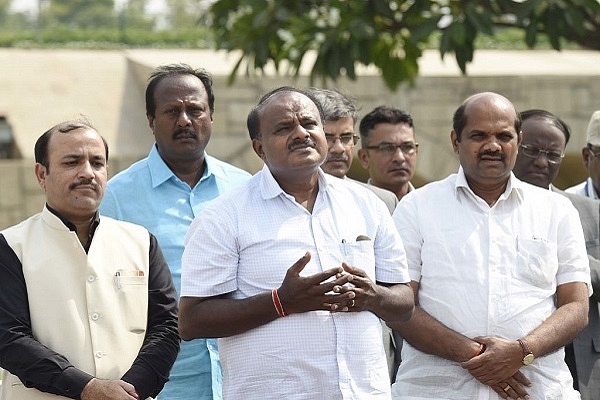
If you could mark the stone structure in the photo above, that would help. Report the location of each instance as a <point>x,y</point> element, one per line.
<point>42,87</point>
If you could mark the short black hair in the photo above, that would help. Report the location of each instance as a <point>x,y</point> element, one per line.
<point>164,71</point>
<point>41,145</point>
<point>554,120</point>
<point>253,123</point>
<point>382,115</point>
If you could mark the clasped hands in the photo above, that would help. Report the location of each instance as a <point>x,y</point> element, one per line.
<point>108,389</point>
<point>499,367</point>
<point>339,289</point>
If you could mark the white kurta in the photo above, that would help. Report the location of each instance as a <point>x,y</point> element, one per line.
<point>488,271</point>
<point>243,244</point>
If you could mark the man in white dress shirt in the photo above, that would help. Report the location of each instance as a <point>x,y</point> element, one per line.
<point>293,270</point>
<point>499,270</point>
<point>591,160</point>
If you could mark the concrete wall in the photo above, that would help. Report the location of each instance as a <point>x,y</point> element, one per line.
<point>41,88</point>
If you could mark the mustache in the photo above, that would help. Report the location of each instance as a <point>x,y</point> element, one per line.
<point>343,158</point>
<point>84,182</point>
<point>300,144</point>
<point>492,154</point>
<point>184,132</point>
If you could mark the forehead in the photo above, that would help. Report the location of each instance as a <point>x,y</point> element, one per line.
<point>386,131</point>
<point>73,141</point>
<point>490,114</point>
<point>288,104</point>
<point>339,126</point>
<point>178,87</point>
<point>542,130</point>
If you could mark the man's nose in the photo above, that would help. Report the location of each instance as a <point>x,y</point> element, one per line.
<point>335,145</point>
<point>183,119</point>
<point>86,170</point>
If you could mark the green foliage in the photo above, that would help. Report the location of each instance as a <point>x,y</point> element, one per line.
<point>94,24</point>
<point>61,37</point>
<point>80,13</point>
<point>389,34</point>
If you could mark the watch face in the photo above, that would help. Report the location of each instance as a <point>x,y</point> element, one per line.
<point>528,359</point>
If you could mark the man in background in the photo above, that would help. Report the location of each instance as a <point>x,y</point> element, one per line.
<point>591,160</point>
<point>166,190</point>
<point>388,149</point>
<point>340,118</point>
<point>545,138</point>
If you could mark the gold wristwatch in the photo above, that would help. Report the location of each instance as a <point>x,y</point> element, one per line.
<point>528,356</point>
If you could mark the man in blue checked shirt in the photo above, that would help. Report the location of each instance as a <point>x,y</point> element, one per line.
<point>166,190</point>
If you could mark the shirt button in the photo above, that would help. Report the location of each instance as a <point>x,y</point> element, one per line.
<point>75,244</point>
<point>95,317</point>
<point>91,278</point>
<point>99,354</point>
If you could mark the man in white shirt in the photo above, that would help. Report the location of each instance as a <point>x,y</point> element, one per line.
<point>293,270</point>
<point>499,270</point>
<point>591,160</point>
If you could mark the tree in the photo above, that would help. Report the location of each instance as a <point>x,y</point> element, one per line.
<point>86,14</point>
<point>184,13</point>
<point>133,16</point>
<point>389,34</point>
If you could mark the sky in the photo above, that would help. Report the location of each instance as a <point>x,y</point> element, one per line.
<point>154,6</point>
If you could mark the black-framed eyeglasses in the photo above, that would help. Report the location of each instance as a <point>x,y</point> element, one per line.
<point>407,148</point>
<point>345,140</point>
<point>591,149</point>
<point>533,152</point>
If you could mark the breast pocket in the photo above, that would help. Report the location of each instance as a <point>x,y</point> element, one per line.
<point>537,262</point>
<point>132,294</point>
<point>360,255</point>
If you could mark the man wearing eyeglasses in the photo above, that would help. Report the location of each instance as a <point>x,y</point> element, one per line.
<point>389,150</point>
<point>591,159</point>
<point>545,137</point>
<point>340,117</point>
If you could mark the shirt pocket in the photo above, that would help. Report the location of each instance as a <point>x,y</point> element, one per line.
<point>360,255</point>
<point>537,262</point>
<point>132,294</point>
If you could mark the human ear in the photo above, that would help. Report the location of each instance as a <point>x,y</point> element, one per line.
<point>258,148</point>
<point>454,140</point>
<point>40,174</point>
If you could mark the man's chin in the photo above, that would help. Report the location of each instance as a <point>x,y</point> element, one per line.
<point>337,174</point>
<point>539,180</point>
<point>338,169</point>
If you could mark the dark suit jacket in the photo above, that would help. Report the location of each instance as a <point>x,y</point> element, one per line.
<point>386,196</point>
<point>583,357</point>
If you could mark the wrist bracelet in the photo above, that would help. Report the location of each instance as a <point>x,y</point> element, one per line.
<point>277,303</point>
